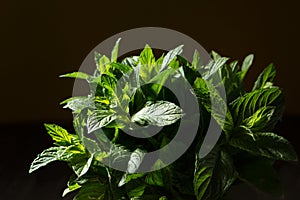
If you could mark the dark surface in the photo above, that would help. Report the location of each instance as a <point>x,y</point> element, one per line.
<point>41,40</point>
<point>21,143</point>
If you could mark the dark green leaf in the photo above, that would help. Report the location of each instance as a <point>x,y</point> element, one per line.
<point>81,165</point>
<point>214,174</point>
<point>267,144</point>
<point>211,99</point>
<point>137,192</point>
<point>155,178</point>
<point>246,105</point>
<point>93,189</point>
<point>261,174</point>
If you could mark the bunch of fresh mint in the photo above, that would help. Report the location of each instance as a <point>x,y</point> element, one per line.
<point>130,95</point>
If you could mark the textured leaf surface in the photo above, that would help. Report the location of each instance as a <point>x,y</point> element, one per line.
<point>50,155</point>
<point>81,165</point>
<point>99,119</point>
<point>266,144</point>
<point>58,134</point>
<point>246,105</point>
<point>160,113</point>
<point>213,175</point>
<point>171,55</point>
<point>266,78</point>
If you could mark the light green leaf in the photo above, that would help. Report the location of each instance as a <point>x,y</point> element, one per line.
<point>103,64</point>
<point>134,162</point>
<point>170,56</point>
<point>50,155</point>
<point>99,119</point>
<point>161,78</point>
<point>147,56</point>
<point>59,134</point>
<point>266,78</point>
<point>131,61</point>
<point>114,53</point>
<point>264,144</point>
<point>214,174</point>
<point>196,64</point>
<point>246,65</point>
<point>79,75</point>
<point>77,104</point>
<point>160,113</point>
<point>214,66</point>
<point>215,55</point>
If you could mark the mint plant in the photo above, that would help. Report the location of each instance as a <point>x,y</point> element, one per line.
<point>129,96</point>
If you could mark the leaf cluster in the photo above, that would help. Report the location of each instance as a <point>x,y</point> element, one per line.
<point>129,96</point>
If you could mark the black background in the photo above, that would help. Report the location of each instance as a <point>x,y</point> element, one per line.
<point>39,40</point>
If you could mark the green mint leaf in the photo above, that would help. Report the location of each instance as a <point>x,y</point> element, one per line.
<point>59,134</point>
<point>170,56</point>
<point>99,119</point>
<point>114,53</point>
<point>81,165</point>
<point>264,144</point>
<point>79,75</point>
<point>147,56</point>
<point>93,189</point>
<point>246,65</point>
<point>50,155</point>
<point>246,105</point>
<point>214,174</point>
<point>160,113</point>
<point>213,67</point>
<point>266,78</point>
<point>77,104</point>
